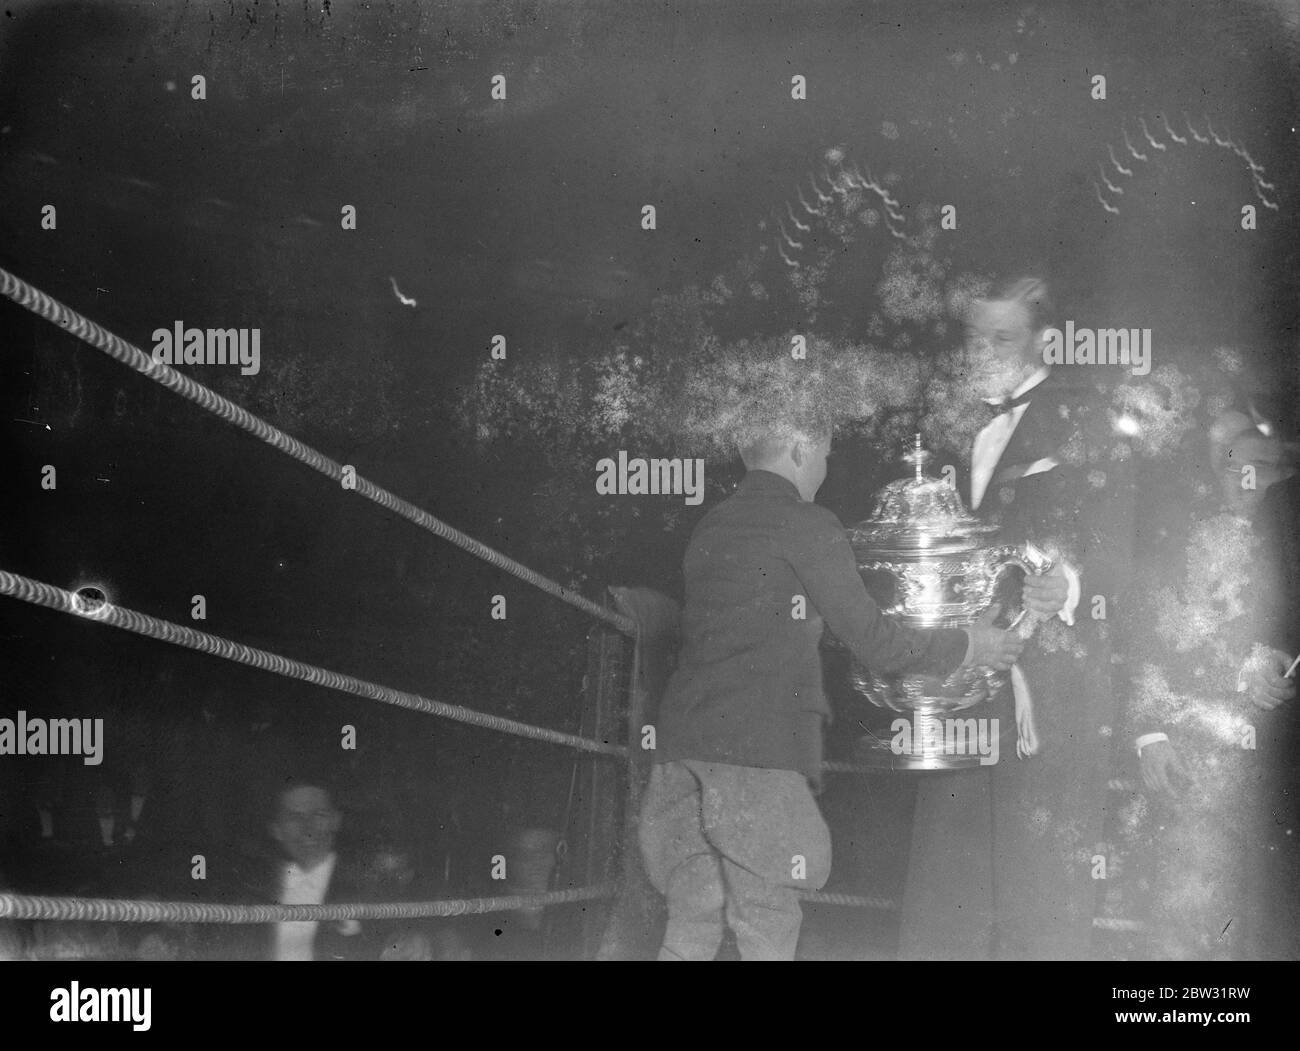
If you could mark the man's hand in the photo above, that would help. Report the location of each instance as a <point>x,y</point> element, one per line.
<point>1045,593</point>
<point>992,647</point>
<point>1162,768</point>
<point>1264,680</point>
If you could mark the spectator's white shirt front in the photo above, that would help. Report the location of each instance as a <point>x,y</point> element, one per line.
<point>299,886</point>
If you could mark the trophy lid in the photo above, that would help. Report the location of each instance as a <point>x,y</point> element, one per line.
<point>916,514</point>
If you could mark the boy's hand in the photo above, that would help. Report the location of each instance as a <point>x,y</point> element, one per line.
<point>1045,593</point>
<point>992,647</point>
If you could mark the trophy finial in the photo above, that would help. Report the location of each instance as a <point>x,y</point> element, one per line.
<point>918,457</point>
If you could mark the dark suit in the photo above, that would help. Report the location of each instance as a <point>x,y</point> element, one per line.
<point>1279,879</point>
<point>1212,583</point>
<point>1001,861</point>
<point>257,881</point>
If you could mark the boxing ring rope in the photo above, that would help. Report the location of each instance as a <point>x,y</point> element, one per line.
<point>38,907</point>
<point>108,910</point>
<point>46,306</point>
<point>41,594</point>
<point>852,901</point>
<point>112,910</point>
<point>1115,784</point>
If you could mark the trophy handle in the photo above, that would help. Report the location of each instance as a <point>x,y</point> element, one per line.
<point>1029,558</point>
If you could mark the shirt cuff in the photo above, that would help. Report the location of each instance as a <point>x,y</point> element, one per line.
<point>1073,593</point>
<point>1147,739</point>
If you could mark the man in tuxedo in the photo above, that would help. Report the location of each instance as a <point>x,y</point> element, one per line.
<point>1273,693</point>
<point>1002,856</point>
<point>1237,441</point>
<point>307,869</point>
<point>1216,581</point>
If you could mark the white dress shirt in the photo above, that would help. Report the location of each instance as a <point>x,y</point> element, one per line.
<point>299,886</point>
<point>993,440</point>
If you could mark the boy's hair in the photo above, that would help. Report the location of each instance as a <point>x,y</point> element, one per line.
<point>765,448</point>
<point>1032,291</point>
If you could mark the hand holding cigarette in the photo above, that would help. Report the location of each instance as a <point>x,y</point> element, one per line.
<point>1266,680</point>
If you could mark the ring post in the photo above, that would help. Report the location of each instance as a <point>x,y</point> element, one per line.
<point>610,655</point>
<point>638,916</point>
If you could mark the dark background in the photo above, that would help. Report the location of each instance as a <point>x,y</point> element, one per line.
<point>520,218</point>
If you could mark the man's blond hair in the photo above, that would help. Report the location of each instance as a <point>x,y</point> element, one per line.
<point>1032,292</point>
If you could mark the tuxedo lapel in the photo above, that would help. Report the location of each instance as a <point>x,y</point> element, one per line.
<point>1041,432</point>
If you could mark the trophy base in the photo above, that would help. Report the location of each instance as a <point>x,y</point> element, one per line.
<point>920,741</point>
<point>879,755</point>
<point>928,695</point>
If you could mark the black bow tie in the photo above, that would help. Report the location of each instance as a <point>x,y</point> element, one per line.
<point>997,408</point>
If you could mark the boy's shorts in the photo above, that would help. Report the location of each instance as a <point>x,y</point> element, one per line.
<point>739,839</point>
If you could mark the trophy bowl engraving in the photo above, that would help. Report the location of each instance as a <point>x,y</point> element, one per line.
<point>928,563</point>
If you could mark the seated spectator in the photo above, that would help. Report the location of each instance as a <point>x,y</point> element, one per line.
<point>304,869</point>
<point>406,942</point>
<point>74,940</point>
<point>11,942</point>
<point>391,875</point>
<point>159,942</point>
<point>440,940</point>
<point>521,934</point>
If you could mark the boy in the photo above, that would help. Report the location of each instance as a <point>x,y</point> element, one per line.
<point>729,822</point>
